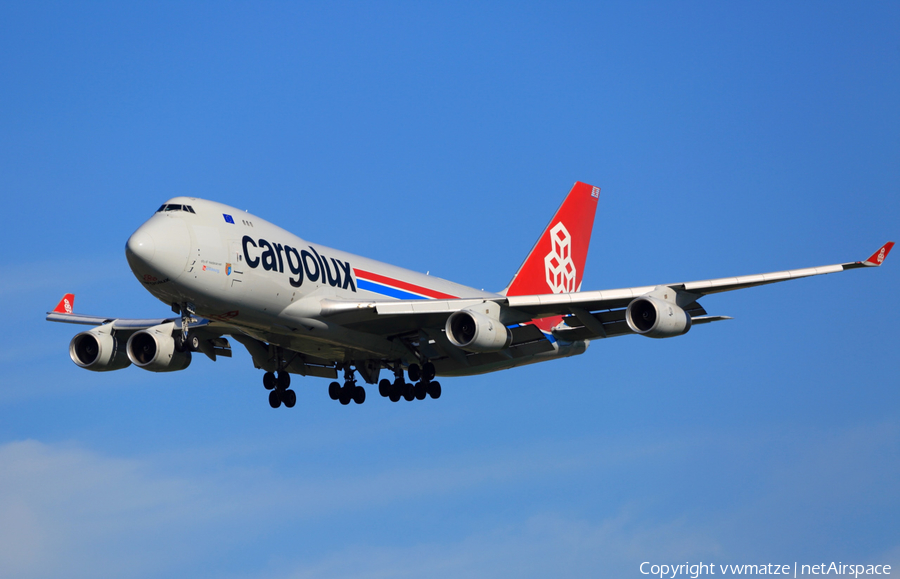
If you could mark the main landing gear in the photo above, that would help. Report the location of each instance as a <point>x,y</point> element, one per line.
<point>349,391</point>
<point>278,383</point>
<point>424,384</point>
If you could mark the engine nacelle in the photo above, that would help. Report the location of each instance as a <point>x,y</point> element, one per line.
<point>656,318</point>
<point>155,349</point>
<point>98,350</point>
<point>475,332</point>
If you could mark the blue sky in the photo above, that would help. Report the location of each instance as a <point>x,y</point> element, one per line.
<point>727,140</point>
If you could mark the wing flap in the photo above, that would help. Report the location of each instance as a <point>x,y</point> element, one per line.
<point>78,319</point>
<point>708,319</point>
<point>526,333</point>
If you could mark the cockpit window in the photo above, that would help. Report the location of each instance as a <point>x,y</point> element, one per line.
<point>175,207</point>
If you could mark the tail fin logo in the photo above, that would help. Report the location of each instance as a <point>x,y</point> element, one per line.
<point>560,269</point>
<point>881,256</point>
<point>557,260</point>
<point>68,305</point>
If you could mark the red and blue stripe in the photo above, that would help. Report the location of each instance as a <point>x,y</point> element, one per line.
<point>395,288</point>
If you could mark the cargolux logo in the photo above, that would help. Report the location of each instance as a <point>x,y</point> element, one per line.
<point>300,263</point>
<point>881,256</point>
<point>560,267</point>
<point>68,305</point>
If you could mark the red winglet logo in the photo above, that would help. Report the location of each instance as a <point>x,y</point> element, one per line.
<point>879,256</point>
<point>65,305</point>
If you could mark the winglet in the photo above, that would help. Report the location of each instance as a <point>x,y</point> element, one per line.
<point>879,256</point>
<point>65,305</point>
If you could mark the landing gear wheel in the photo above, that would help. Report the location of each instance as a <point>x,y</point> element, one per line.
<point>334,390</point>
<point>434,390</point>
<point>409,393</point>
<point>428,372</point>
<point>274,398</point>
<point>346,395</point>
<point>359,395</point>
<point>414,372</point>
<point>394,396</point>
<point>283,380</point>
<point>289,397</point>
<point>269,380</point>
<point>384,387</point>
<point>420,391</point>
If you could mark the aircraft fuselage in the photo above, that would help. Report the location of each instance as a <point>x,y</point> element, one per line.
<point>228,265</point>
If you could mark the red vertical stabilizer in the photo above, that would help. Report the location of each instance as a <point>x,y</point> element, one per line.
<point>556,262</point>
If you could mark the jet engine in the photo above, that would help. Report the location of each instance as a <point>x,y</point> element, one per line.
<point>475,332</point>
<point>655,318</point>
<point>155,349</point>
<point>98,350</point>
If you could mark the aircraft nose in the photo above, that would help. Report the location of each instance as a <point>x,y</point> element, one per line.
<point>158,251</point>
<point>140,245</point>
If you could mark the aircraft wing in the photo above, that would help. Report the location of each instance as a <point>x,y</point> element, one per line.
<point>64,312</point>
<point>118,323</point>
<point>555,304</point>
<point>579,304</point>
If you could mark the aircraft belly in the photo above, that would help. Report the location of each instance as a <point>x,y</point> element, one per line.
<point>309,346</point>
<point>332,348</point>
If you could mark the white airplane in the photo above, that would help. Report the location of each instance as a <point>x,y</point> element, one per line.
<point>302,308</point>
